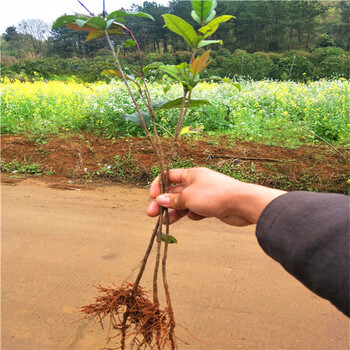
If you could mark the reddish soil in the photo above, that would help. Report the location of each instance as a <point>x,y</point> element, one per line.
<point>74,159</point>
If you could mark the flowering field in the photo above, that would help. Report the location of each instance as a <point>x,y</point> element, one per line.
<point>267,111</point>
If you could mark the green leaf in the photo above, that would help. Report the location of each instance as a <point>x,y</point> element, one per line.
<point>195,17</point>
<point>63,20</point>
<point>116,73</point>
<point>129,43</point>
<point>203,8</point>
<point>182,28</point>
<point>172,71</point>
<point>109,23</point>
<point>236,85</point>
<point>153,65</point>
<point>171,239</point>
<point>93,34</point>
<point>97,22</point>
<point>213,25</point>
<point>208,42</point>
<point>97,33</point>
<point>80,22</point>
<point>136,118</point>
<point>121,13</point>
<point>178,102</point>
<point>210,17</point>
<point>166,88</point>
<point>190,130</point>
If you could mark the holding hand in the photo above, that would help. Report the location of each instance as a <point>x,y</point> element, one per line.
<point>200,193</point>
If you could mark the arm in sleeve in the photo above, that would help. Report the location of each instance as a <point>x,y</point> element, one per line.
<point>308,234</point>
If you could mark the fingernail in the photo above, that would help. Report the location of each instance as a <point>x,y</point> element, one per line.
<point>163,200</point>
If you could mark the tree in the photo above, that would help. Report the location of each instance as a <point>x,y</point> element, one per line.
<point>68,43</point>
<point>151,34</point>
<point>37,32</point>
<point>17,44</point>
<point>37,28</point>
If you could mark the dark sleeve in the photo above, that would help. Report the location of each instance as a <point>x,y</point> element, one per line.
<point>308,234</point>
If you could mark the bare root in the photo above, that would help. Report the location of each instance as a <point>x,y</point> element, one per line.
<point>133,315</point>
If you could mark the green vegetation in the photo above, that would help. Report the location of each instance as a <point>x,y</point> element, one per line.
<point>273,112</point>
<point>17,167</point>
<point>295,65</point>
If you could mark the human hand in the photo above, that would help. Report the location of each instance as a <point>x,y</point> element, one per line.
<point>200,193</point>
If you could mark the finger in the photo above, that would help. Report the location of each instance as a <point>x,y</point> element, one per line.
<point>154,189</point>
<point>178,176</point>
<point>174,201</point>
<point>176,215</point>
<point>193,216</point>
<point>175,176</point>
<point>176,189</point>
<point>153,209</point>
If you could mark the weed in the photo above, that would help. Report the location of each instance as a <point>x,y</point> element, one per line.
<point>25,168</point>
<point>123,169</point>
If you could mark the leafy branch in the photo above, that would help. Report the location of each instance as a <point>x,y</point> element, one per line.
<point>150,324</point>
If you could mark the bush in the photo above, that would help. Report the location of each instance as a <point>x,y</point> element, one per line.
<point>324,62</point>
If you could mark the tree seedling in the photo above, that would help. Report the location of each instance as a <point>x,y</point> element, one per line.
<point>131,313</point>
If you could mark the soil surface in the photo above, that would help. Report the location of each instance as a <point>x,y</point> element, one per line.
<point>57,243</point>
<point>64,232</point>
<point>83,159</point>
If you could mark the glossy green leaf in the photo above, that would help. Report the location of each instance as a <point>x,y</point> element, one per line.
<point>109,23</point>
<point>178,102</point>
<point>190,130</point>
<point>116,73</point>
<point>121,13</point>
<point>182,28</point>
<point>153,65</point>
<point>209,42</point>
<point>203,8</point>
<point>81,22</point>
<point>63,20</point>
<point>172,71</point>
<point>97,22</point>
<point>171,239</point>
<point>210,17</point>
<point>136,118</point>
<point>213,25</point>
<point>195,17</point>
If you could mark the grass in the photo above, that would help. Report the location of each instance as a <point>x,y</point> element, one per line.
<point>286,113</point>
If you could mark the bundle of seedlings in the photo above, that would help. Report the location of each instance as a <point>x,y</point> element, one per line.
<point>132,315</point>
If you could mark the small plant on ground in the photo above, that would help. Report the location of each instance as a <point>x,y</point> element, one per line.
<point>131,313</point>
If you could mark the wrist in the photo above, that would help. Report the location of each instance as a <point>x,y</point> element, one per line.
<point>249,200</point>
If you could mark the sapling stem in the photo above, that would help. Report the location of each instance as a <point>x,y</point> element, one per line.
<point>148,251</point>
<point>130,310</point>
<point>165,283</point>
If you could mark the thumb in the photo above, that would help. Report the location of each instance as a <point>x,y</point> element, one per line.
<point>173,200</point>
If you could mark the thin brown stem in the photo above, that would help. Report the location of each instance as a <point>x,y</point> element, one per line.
<point>138,48</point>
<point>145,258</point>
<point>156,265</point>
<point>165,283</point>
<point>156,149</point>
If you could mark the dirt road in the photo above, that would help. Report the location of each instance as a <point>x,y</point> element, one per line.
<point>57,243</point>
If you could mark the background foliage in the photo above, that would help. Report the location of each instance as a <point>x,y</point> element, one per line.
<point>268,39</point>
<point>268,111</point>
